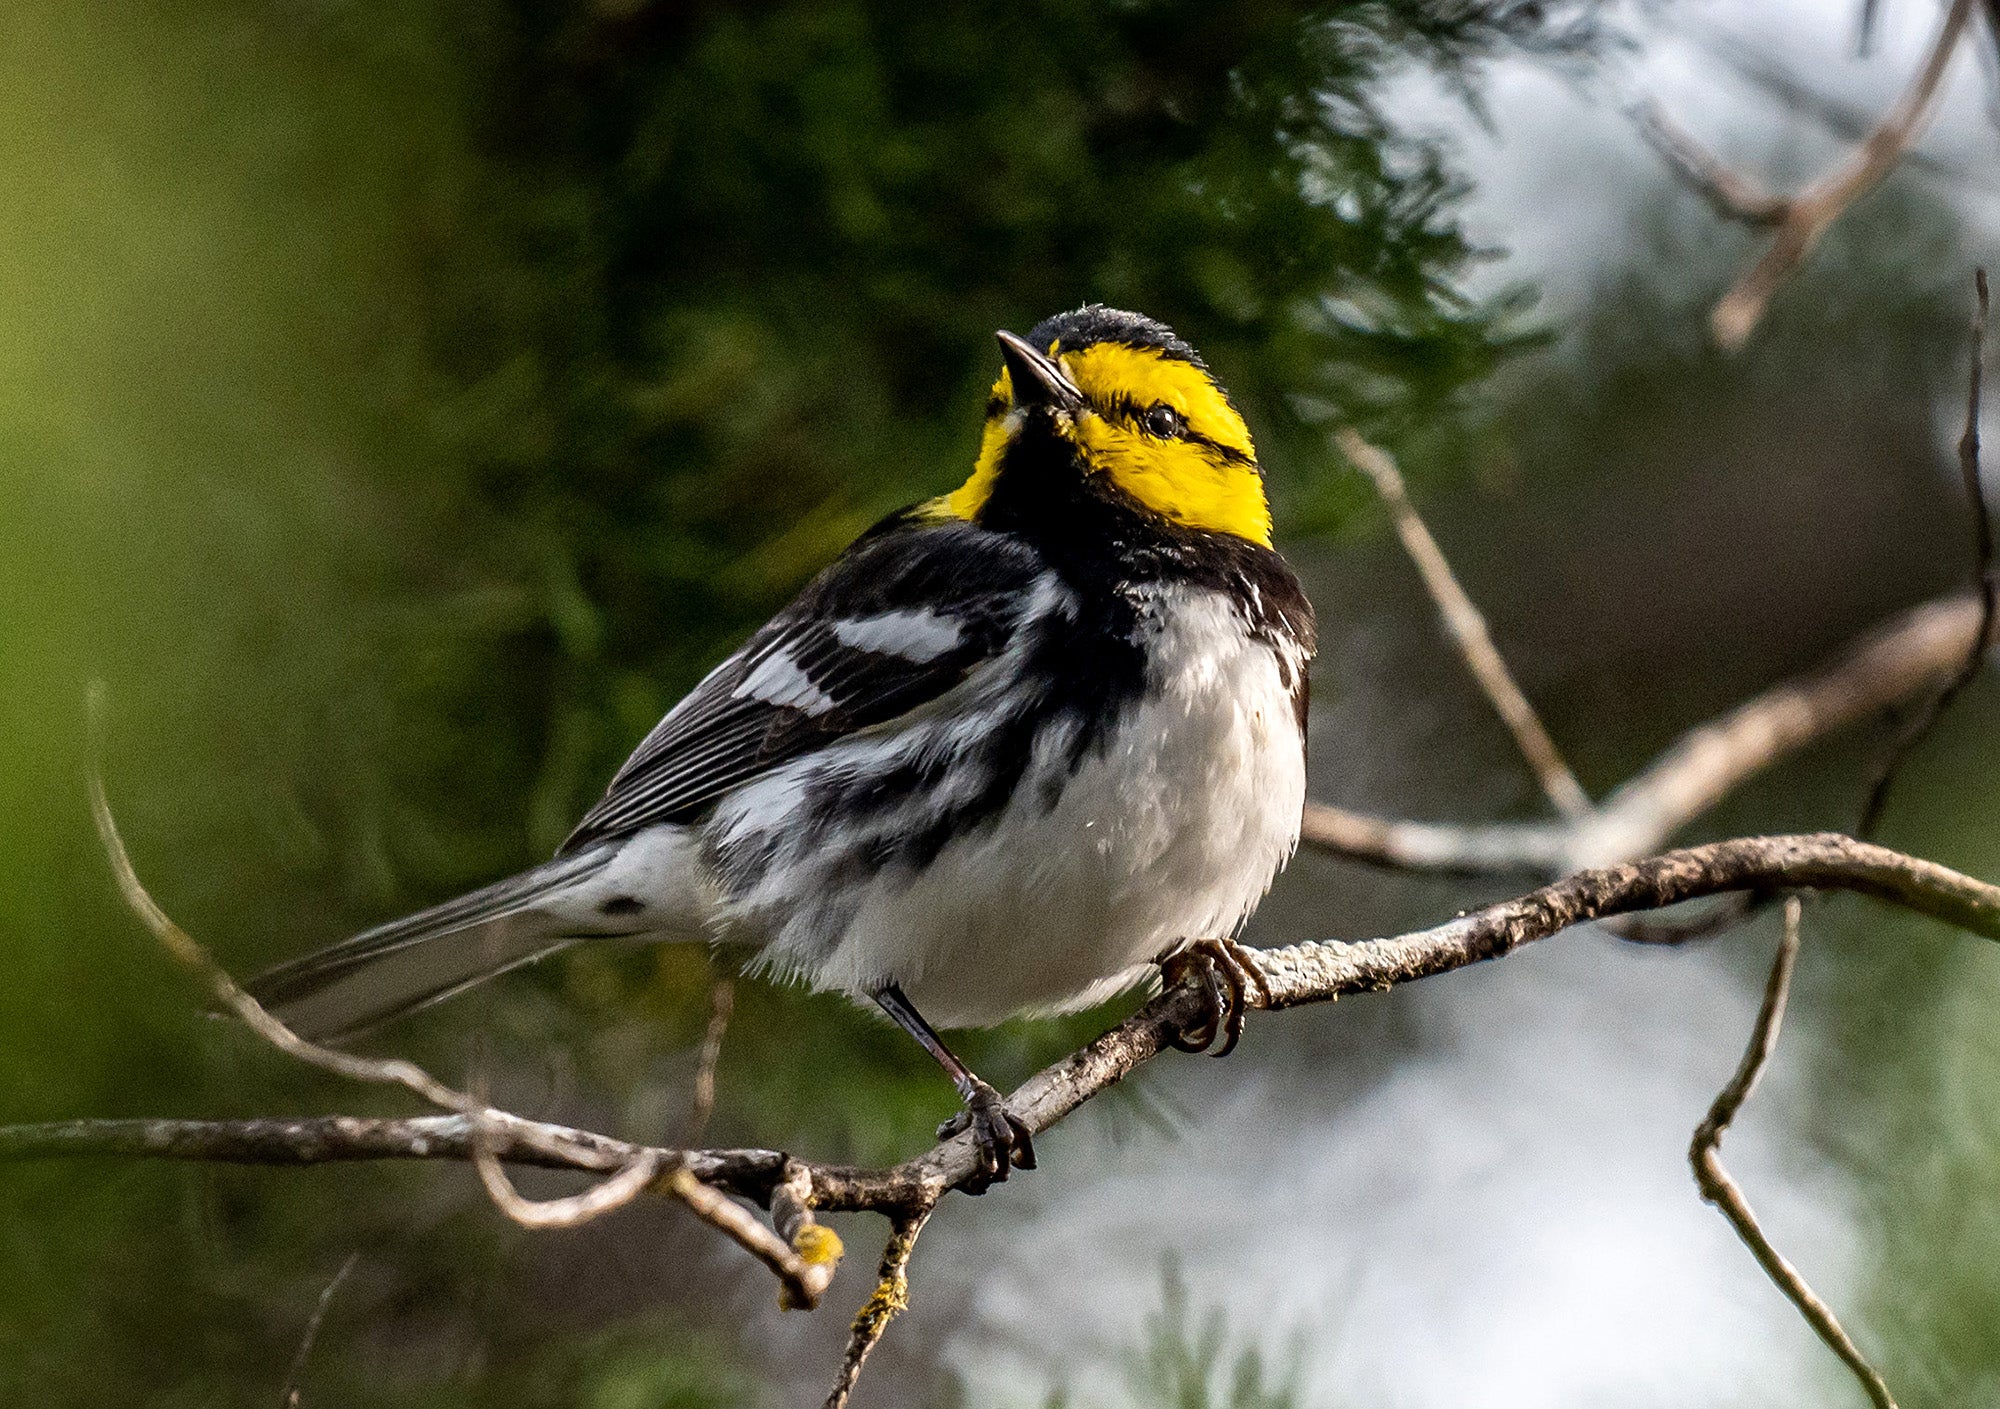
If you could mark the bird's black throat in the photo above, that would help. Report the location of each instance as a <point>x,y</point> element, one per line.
<point>1103,542</point>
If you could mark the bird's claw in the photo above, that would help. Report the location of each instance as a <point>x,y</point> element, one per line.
<point>1226,972</point>
<point>999,1137</point>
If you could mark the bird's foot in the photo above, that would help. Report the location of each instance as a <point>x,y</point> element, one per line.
<point>1225,972</point>
<point>999,1137</point>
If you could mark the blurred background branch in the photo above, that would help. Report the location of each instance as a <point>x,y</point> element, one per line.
<point>1901,661</point>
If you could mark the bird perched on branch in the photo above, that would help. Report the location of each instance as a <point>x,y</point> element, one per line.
<point>1016,747</point>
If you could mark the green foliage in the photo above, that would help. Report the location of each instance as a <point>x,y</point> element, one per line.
<point>1185,1361</point>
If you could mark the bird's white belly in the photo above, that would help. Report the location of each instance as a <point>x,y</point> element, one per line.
<point>1170,829</point>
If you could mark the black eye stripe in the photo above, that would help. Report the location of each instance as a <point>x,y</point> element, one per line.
<point>1127,409</point>
<point>1225,452</point>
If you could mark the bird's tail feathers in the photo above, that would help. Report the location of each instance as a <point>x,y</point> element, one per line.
<point>429,956</point>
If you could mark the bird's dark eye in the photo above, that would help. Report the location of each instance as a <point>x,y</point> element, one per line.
<point>1163,421</point>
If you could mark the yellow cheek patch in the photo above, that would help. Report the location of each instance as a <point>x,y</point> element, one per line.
<point>1213,486</point>
<point>1180,480</point>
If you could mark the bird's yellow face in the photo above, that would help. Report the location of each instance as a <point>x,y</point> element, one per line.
<point>1156,425</point>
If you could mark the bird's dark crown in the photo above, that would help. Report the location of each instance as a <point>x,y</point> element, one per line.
<point>1097,323</point>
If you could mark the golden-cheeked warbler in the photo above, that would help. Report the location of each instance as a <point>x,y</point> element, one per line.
<point>1014,749</point>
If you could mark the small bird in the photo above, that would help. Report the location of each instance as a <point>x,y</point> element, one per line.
<point>1016,749</point>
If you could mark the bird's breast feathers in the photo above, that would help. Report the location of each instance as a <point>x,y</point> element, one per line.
<point>1033,837</point>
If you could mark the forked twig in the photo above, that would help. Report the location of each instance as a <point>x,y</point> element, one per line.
<point>1468,631</point>
<point>1718,1188</point>
<point>803,1272</point>
<point>1897,661</point>
<point>1983,581</point>
<point>1942,643</point>
<point>1808,214</point>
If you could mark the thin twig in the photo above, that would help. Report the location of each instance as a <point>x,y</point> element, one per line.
<point>605,1196</point>
<point>1668,932</point>
<point>388,1071</point>
<point>1845,121</point>
<point>1728,192</point>
<point>1864,29</point>
<point>1718,1188</point>
<point>1468,631</point>
<point>288,1398</point>
<point>182,946</point>
<point>1982,576</point>
<point>1813,210</point>
<point>1436,848</point>
<point>573,1211</point>
<point>721,1002</point>
<point>889,1300</point>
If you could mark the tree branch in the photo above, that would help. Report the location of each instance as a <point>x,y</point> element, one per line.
<point>804,1255</point>
<point>288,1398</point>
<point>721,1003</point>
<point>1729,194</point>
<point>890,1299</point>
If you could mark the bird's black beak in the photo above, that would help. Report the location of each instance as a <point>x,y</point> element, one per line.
<point>1037,381</point>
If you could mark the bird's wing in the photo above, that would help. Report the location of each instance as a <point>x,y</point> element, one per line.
<point>902,616</point>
